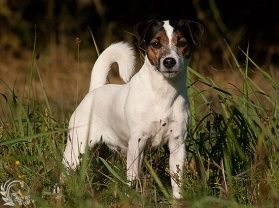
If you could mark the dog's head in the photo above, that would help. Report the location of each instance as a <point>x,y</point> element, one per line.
<point>168,44</point>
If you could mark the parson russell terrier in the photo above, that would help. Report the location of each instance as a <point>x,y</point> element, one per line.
<point>152,107</point>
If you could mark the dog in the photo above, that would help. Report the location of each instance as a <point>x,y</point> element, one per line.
<point>151,107</point>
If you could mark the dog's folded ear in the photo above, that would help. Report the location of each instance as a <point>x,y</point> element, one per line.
<point>140,30</point>
<point>144,31</point>
<point>194,29</point>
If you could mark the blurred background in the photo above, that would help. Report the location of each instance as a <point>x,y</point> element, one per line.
<point>65,53</point>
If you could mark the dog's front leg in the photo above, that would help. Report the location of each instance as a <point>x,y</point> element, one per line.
<point>135,157</point>
<point>176,163</point>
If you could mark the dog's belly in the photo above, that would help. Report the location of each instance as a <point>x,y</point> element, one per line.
<point>112,135</point>
<point>115,140</point>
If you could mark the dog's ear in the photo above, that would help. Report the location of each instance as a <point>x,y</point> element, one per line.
<point>140,30</point>
<point>194,30</point>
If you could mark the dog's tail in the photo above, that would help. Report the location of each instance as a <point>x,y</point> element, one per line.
<point>121,53</point>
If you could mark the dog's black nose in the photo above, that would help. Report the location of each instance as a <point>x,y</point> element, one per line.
<point>169,62</point>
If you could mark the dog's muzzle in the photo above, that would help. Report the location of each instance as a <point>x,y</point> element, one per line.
<point>169,62</point>
<point>170,67</point>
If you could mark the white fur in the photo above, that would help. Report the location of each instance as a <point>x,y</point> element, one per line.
<point>121,53</point>
<point>169,30</point>
<point>148,108</point>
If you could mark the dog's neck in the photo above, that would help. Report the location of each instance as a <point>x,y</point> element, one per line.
<point>158,82</point>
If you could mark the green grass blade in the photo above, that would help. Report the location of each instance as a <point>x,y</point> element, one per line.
<point>157,180</point>
<point>110,169</point>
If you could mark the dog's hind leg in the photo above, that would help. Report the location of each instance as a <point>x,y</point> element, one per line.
<point>75,148</point>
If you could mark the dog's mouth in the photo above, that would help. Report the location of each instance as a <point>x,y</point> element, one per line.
<point>170,71</point>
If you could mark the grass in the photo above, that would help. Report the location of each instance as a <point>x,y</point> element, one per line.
<point>232,151</point>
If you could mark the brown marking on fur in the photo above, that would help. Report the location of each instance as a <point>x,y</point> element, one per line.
<point>178,169</point>
<point>154,54</point>
<point>178,40</point>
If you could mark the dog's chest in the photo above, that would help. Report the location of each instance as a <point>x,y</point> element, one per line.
<point>164,121</point>
<point>161,130</point>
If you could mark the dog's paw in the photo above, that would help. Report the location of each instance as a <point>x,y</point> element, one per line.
<point>57,195</point>
<point>134,184</point>
<point>56,189</point>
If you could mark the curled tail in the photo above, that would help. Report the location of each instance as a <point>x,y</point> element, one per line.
<point>121,53</point>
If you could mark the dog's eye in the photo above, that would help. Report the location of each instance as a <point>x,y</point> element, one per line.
<point>156,44</point>
<point>182,43</point>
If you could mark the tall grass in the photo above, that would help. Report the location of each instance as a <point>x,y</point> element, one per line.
<point>232,151</point>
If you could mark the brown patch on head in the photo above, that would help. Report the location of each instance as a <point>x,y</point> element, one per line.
<point>158,47</point>
<point>190,30</point>
<point>181,44</point>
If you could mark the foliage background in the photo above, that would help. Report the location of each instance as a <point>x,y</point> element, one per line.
<point>46,56</point>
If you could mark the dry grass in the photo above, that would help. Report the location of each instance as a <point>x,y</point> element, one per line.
<point>65,79</point>
<point>66,74</point>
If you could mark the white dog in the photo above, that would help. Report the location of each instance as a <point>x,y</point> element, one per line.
<point>151,107</point>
